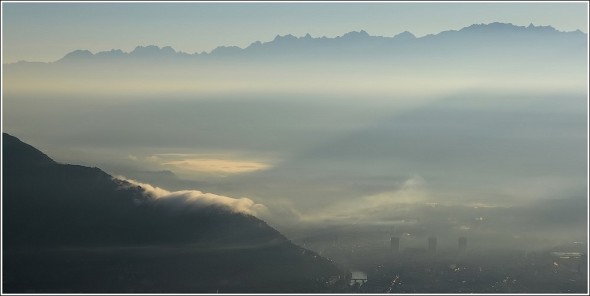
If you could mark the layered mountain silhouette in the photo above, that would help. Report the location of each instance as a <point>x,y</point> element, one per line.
<point>474,36</point>
<point>495,53</point>
<point>70,228</point>
<point>469,38</point>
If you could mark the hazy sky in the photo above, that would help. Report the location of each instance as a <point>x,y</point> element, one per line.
<point>47,31</point>
<point>488,129</point>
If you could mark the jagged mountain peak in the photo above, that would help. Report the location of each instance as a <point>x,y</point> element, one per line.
<point>288,37</point>
<point>405,35</point>
<point>78,54</point>
<point>356,34</point>
<point>499,26</point>
<point>153,49</point>
<point>354,37</point>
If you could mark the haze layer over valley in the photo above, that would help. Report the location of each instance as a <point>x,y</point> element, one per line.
<point>479,132</point>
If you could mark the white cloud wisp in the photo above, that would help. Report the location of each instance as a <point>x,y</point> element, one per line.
<point>194,199</point>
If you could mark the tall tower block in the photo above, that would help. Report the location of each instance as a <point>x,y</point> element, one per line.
<point>395,244</point>
<point>432,244</point>
<point>462,244</point>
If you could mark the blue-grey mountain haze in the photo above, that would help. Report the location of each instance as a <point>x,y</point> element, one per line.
<point>480,131</point>
<point>197,27</point>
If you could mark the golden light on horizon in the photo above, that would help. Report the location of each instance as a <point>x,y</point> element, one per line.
<point>218,166</point>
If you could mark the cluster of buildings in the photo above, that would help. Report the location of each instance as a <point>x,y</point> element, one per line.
<point>432,243</point>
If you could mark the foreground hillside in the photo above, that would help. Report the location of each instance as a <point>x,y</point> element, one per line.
<point>75,229</point>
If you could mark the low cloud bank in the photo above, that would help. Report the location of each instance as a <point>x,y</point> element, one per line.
<point>194,199</point>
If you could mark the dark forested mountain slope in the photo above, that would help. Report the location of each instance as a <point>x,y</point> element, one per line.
<point>70,228</point>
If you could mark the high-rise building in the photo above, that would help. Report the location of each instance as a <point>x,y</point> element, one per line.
<point>395,244</point>
<point>462,244</point>
<point>432,244</point>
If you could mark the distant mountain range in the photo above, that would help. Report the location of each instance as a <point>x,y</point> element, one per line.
<point>70,228</point>
<point>495,55</point>
<point>474,36</point>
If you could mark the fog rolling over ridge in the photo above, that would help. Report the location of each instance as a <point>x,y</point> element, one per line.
<point>479,132</point>
<point>80,230</point>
